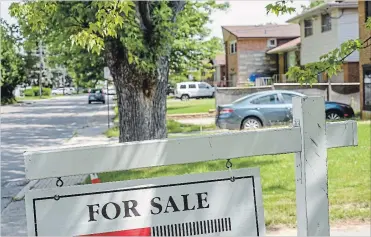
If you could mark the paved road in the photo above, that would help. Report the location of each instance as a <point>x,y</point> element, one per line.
<point>43,124</point>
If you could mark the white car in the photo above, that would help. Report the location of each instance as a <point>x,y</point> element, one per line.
<point>59,91</point>
<point>187,90</point>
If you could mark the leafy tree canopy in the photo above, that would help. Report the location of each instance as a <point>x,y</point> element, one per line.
<point>92,24</point>
<point>14,65</point>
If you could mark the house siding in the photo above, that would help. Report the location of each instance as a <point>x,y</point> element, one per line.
<point>348,30</point>
<point>319,43</point>
<point>365,55</point>
<point>232,61</point>
<point>252,58</point>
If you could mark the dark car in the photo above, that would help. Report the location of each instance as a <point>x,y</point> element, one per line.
<point>269,107</point>
<point>96,95</point>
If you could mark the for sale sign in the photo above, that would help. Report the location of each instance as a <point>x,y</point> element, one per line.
<point>188,205</point>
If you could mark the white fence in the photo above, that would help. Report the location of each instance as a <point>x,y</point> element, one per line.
<point>309,137</point>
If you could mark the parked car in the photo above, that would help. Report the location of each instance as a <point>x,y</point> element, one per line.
<point>187,90</point>
<point>269,107</point>
<point>170,90</point>
<point>96,95</point>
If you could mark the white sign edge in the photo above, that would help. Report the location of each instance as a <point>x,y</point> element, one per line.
<point>164,180</point>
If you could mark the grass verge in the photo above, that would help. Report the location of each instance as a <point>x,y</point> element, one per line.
<point>348,175</point>
<point>191,106</point>
<point>172,127</point>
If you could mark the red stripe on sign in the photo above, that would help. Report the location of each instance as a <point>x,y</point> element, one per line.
<point>133,232</point>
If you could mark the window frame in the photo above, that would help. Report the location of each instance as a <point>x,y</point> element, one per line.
<point>189,86</point>
<point>367,7</point>
<point>183,86</point>
<point>272,45</point>
<point>328,26</point>
<point>308,27</point>
<point>233,47</point>
<point>366,67</point>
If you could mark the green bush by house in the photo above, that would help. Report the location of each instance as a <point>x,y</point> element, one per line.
<point>35,91</point>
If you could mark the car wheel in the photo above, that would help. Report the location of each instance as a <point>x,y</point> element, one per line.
<point>89,102</point>
<point>103,101</point>
<point>333,115</point>
<point>251,123</point>
<point>213,95</point>
<point>184,97</point>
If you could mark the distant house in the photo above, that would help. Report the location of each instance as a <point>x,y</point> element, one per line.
<point>288,56</point>
<point>246,50</point>
<point>326,27</point>
<point>365,60</point>
<point>219,76</point>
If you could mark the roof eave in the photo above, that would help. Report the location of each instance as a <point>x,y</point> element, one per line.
<point>288,49</point>
<point>316,10</point>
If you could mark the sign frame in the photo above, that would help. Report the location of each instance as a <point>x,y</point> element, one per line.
<point>33,196</point>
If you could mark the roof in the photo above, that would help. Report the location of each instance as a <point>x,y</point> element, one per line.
<point>264,31</point>
<point>323,7</point>
<point>219,59</point>
<point>291,45</point>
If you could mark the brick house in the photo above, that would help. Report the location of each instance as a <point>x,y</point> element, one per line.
<point>288,56</point>
<point>246,50</point>
<point>325,28</point>
<point>364,9</point>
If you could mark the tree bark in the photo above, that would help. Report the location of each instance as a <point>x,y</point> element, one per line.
<point>7,93</point>
<point>141,97</point>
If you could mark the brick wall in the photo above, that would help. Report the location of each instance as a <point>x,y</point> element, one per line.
<point>252,58</point>
<point>365,54</point>
<point>351,72</point>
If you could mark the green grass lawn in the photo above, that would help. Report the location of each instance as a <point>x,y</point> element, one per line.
<point>349,180</point>
<point>191,106</point>
<point>172,127</point>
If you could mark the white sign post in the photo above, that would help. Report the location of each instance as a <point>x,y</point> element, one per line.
<point>185,205</point>
<point>309,137</point>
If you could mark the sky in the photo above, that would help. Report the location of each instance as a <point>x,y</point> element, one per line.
<point>242,12</point>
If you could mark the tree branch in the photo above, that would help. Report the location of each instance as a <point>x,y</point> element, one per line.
<point>144,11</point>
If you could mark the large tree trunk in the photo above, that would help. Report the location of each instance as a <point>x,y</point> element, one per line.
<point>7,93</point>
<point>141,97</point>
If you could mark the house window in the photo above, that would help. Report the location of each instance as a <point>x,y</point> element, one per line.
<point>368,9</point>
<point>233,47</point>
<point>326,22</point>
<point>366,87</point>
<point>272,43</point>
<point>308,28</point>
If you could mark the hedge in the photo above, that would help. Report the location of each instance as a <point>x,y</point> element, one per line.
<point>35,91</point>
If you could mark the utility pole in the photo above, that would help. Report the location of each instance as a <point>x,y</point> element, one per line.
<point>41,66</point>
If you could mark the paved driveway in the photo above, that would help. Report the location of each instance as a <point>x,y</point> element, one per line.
<point>43,124</point>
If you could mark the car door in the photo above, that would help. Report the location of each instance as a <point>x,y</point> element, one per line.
<point>193,90</point>
<point>202,90</point>
<point>286,98</point>
<point>271,108</point>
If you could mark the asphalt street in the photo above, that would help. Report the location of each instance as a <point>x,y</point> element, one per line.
<point>40,124</point>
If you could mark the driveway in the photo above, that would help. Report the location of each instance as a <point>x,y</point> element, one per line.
<point>41,124</point>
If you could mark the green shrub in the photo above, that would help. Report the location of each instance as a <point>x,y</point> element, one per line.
<point>28,92</point>
<point>46,91</point>
<point>35,90</point>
